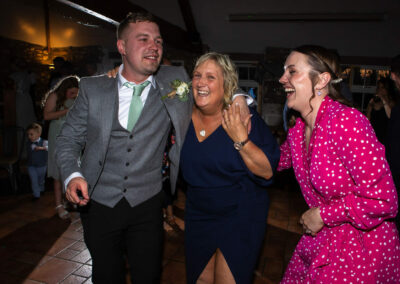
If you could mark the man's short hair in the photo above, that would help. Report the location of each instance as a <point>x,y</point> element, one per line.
<point>36,127</point>
<point>134,18</point>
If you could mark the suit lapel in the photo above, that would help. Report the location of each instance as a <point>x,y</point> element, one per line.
<point>178,111</point>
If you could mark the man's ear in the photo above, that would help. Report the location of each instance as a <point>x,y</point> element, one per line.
<point>323,80</point>
<point>121,46</point>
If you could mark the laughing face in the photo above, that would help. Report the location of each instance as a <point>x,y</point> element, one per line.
<point>297,83</point>
<point>208,86</point>
<point>141,49</point>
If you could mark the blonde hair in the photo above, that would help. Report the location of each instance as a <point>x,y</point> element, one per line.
<point>35,127</point>
<point>228,70</point>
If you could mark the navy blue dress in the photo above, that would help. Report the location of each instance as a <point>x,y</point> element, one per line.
<point>226,205</point>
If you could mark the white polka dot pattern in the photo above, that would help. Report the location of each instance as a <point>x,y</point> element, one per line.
<point>345,173</point>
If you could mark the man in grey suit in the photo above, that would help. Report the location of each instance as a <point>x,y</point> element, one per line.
<point>118,181</point>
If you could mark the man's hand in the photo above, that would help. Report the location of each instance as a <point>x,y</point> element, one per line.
<point>75,186</point>
<point>244,110</point>
<point>312,221</point>
<point>113,72</point>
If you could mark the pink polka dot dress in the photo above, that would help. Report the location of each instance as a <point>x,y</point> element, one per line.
<point>345,173</point>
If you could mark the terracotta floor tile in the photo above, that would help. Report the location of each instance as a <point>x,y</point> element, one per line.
<point>54,271</point>
<point>67,254</point>
<point>279,222</point>
<point>84,271</point>
<point>258,279</point>
<point>71,234</point>
<point>80,246</point>
<point>44,259</point>
<point>174,273</point>
<point>75,226</point>
<point>28,281</point>
<point>73,279</point>
<point>171,248</point>
<point>59,245</point>
<point>82,257</point>
<point>273,269</point>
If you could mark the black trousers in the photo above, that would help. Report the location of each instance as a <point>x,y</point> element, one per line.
<point>114,234</point>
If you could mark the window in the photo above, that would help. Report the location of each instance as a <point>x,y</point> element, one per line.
<point>247,75</point>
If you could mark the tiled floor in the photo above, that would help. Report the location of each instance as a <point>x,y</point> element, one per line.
<point>37,247</point>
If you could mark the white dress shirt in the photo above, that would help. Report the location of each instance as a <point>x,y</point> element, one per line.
<point>125,96</point>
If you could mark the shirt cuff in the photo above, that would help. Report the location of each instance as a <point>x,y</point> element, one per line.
<point>68,179</point>
<point>249,99</point>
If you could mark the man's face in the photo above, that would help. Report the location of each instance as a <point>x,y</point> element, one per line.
<point>141,49</point>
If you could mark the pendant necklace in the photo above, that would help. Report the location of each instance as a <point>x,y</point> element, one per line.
<point>202,133</point>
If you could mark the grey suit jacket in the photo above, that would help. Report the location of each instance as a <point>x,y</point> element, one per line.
<point>88,124</point>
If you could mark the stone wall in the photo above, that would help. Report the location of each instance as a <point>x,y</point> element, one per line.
<point>39,60</point>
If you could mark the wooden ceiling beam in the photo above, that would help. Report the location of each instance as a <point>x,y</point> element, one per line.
<point>118,9</point>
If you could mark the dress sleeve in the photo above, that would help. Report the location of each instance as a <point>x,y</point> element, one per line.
<point>285,161</point>
<point>373,197</point>
<point>261,136</point>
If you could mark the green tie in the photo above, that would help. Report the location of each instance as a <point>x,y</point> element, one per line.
<point>136,104</point>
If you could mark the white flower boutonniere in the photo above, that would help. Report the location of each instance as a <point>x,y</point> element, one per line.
<point>180,89</point>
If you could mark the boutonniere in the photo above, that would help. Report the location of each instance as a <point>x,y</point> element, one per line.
<point>180,89</point>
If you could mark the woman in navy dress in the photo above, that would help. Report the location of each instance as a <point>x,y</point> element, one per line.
<point>227,171</point>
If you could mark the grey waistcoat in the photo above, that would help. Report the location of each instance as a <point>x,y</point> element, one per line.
<point>131,169</point>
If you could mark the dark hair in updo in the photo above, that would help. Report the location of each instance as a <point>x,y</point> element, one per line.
<point>322,60</point>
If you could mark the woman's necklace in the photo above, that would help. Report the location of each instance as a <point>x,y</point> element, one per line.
<point>210,126</point>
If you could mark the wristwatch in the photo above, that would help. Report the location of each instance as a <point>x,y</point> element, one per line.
<point>239,145</point>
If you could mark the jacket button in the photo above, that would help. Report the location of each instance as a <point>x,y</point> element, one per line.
<point>124,190</point>
<point>100,163</point>
<point>129,149</point>
<point>125,177</point>
<point>127,164</point>
<point>130,136</point>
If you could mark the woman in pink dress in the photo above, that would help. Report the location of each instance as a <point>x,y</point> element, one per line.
<point>349,233</point>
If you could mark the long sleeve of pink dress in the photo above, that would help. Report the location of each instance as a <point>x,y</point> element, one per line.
<point>345,173</point>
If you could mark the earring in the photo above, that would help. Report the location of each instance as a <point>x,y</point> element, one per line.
<point>319,92</point>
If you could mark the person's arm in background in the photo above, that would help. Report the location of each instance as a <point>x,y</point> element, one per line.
<point>49,111</point>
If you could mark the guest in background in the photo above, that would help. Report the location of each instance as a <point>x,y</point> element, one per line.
<point>393,135</point>
<point>25,112</point>
<point>37,159</point>
<point>56,105</point>
<point>89,69</point>
<point>349,233</point>
<point>379,109</point>
<point>55,74</point>
<point>227,171</point>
